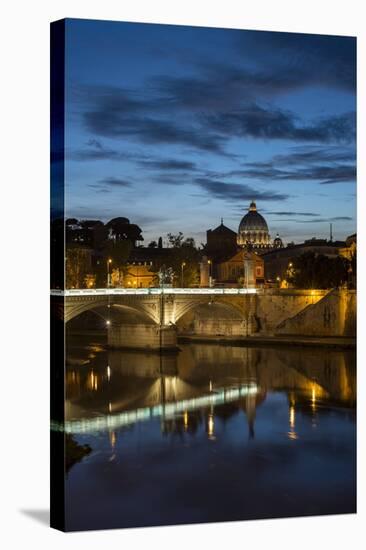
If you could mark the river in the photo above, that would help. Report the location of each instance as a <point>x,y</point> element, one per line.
<point>213,433</point>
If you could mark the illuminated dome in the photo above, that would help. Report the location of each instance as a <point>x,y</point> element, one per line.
<point>253,229</point>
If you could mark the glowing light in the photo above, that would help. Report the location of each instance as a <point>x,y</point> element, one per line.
<point>292,434</point>
<point>292,417</point>
<point>108,322</point>
<point>112,438</point>
<point>92,381</point>
<point>185,419</point>
<point>108,372</point>
<point>110,407</point>
<point>210,385</point>
<point>109,261</point>
<point>210,426</point>
<point>313,397</point>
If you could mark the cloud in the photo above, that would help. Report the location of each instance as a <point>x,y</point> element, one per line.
<point>114,113</point>
<point>96,151</point>
<point>274,123</point>
<point>284,213</point>
<point>234,192</point>
<point>106,184</point>
<point>168,164</point>
<point>119,182</point>
<point>321,220</point>
<point>327,165</point>
<point>307,59</point>
<point>172,178</point>
<point>152,131</point>
<point>282,62</point>
<point>308,154</point>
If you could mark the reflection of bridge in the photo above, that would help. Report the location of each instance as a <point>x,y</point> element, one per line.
<point>166,410</point>
<point>123,388</point>
<point>152,317</point>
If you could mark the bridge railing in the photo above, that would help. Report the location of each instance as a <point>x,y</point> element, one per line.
<point>149,291</point>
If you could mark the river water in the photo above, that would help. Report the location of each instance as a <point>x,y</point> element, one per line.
<point>214,433</point>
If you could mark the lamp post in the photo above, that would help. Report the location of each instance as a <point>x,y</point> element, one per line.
<point>108,273</point>
<point>182,274</point>
<point>209,273</point>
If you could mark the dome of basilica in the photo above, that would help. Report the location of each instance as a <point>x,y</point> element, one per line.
<point>253,229</point>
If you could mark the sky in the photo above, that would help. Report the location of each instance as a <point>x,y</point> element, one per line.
<point>176,127</point>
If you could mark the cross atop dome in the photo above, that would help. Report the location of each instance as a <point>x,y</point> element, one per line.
<point>252,207</point>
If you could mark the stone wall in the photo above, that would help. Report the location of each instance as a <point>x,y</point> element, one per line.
<point>333,315</point>
<point>272,307</point>
<point>219,327</point>
<point>142,336</point>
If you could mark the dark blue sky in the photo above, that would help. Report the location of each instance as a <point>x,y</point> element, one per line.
<point>175,127</point>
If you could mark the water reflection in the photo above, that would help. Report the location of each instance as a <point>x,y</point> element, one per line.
<point>202,433</point>
<point>117,388</point>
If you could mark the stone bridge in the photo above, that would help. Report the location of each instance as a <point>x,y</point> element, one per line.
<point>152,318</point>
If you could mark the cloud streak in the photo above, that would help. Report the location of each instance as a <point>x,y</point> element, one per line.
<point>272,123</point>
<point>234,192</point>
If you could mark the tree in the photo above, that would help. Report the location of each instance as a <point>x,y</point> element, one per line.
<point>312,270</point>
<point>183,259</point>
<point>77,267</point>
<point>152,244</point>
<point>175,241</point>
<point>118,252</point>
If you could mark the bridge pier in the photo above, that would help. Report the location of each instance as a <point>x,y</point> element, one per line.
<point>142,336</point>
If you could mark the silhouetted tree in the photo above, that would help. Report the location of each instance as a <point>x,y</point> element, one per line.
<point>318,271</point>
<point>183,259</point>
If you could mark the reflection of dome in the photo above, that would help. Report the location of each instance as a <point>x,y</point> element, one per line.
<point>253,229</point>
<point>277,242</point>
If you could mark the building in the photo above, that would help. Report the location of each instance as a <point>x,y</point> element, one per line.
<point>244,268</point>
<point>253,230</point>
<point>234,259</point>
<point>220,240</point>
<point>350,250</point>
<point>142,266</point>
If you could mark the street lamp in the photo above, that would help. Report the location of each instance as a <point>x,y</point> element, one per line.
<point>209,273</point>
<point>109,275</point>
<point>182,266</point>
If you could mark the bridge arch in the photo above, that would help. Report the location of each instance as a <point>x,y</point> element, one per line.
<point>192,305</point>
<point>73,310</point>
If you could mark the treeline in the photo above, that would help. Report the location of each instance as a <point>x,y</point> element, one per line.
<point>318,271</point>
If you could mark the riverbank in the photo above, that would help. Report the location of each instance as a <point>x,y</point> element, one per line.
<point>272,341</point>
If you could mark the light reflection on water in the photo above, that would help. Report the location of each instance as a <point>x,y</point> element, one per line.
<point>200,435</point>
